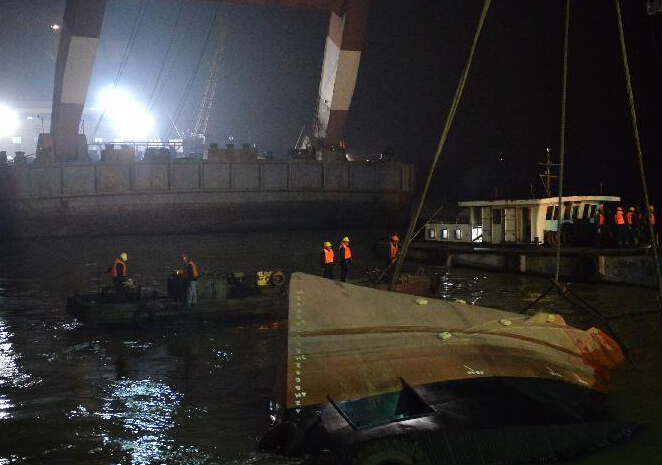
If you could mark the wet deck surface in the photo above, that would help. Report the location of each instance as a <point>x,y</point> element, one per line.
<point>200,393</point>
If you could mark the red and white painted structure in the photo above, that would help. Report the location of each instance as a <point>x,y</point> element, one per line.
<point>79,37</point>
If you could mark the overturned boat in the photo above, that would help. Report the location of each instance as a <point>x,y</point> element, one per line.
<point>375,377</point>
<point>229,297</point>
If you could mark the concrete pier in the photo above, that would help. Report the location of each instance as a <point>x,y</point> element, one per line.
<point>195,196</point>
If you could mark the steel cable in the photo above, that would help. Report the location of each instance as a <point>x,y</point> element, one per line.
<point>564,93</point>
<point>440,146</point>
<point>637,143</point>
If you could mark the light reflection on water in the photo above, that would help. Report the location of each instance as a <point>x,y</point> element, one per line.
<point>145,409</point>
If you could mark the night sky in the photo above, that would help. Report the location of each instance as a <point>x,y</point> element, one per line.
<point>411,63</point>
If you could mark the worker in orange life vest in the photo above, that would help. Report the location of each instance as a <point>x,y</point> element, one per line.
<point>621,229</point>
<point>191,274</point>
<point>345,255</point>
<point>631,223</point>
<point>393,249</point>
<point>119,272</point>
<point>326,260</point>
<point>599,224</point>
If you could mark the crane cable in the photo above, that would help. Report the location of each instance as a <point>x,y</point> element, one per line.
<point>637,143</point>
<point>564,94</point>
<point>149,104</point>
<point>440,146</point>
<point>125,57</point>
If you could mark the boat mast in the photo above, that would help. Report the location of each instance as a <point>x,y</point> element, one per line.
<point>546,176</point>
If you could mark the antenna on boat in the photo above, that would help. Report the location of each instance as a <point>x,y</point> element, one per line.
<point>546,176</point>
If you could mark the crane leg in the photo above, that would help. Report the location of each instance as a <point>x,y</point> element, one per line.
<point>79,37</point>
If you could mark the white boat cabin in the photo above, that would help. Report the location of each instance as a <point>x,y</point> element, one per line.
<point>515,221</point>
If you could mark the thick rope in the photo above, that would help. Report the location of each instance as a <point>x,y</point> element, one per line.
<point>562,143</point>
<point>440,146</point>
<point>637,143</point>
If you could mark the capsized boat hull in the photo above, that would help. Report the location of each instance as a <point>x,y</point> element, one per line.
<point>366,366</point>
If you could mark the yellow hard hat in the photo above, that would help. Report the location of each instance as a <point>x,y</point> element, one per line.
<point>327,244</point>
<point>124,256</point>
<point>620,209</point>
<point>631,209</point>
<point>345,239</point>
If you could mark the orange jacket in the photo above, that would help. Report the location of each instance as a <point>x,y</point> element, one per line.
<point>345,252</point>
<point>113,269</point>
<point>394,248</point>
<point>629,218</point>
<point>193,275</point>
<point>618,218</point>
<point>327,256</point>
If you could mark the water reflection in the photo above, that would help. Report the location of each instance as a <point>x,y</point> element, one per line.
<point>10,374</point>
<point>145,409</point>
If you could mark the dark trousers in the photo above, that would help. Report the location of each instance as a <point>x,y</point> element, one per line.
<point>119,289</point>
<point>621,235</point>
<point>598,238</point>
<point>328,271</point>
<point>344,267</point>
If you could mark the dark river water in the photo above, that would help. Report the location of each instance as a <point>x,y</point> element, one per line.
<point>201,393</point>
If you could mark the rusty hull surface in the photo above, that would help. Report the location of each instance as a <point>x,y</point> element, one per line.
<point>347,341</point>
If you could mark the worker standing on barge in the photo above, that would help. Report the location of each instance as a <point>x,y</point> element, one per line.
<point>326,260</point>
<point>393,250</point>
<point>631,222</point>
<point>345,254</point>
<point>119,271</point>
<point>191,274</point>
<point>599,224</point>
<point>621,229</point>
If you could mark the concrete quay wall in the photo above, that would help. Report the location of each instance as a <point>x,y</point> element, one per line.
<point>194,196</point>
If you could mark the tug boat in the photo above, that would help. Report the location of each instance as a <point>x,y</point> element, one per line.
<point>233,297</point>
<point>377,377</point>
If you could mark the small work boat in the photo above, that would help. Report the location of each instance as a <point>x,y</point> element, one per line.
<point>233,297</point>
<point>377,377</point>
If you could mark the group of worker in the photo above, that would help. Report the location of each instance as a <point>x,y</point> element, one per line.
<point>328,257</point>
<point>119,272</point>
<point>631,228</point>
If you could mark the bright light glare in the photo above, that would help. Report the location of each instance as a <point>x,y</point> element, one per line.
<point>55,27</point>
<point>129,117</point>
<point>8,121</point>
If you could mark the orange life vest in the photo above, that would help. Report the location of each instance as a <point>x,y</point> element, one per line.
<point>328,256</point>
<point>345,251</point>
<point>618,218</point>
<point>194,268</point>
<point>113,269</point>
<point>602,219</point>
<point>652,218</point>
<point>629,216</point>
<point>393,249</point>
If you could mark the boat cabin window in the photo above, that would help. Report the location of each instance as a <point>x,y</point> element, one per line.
<point>444,233</point>
<point>478,216</point>
<point>593,210</point>
<point>458,234</point>
<point>587,211</point>
<point>566,212</point>
<point>431,233</point>
<point>550,213</point>
<point>575,212</point>
<point>496,216</point>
